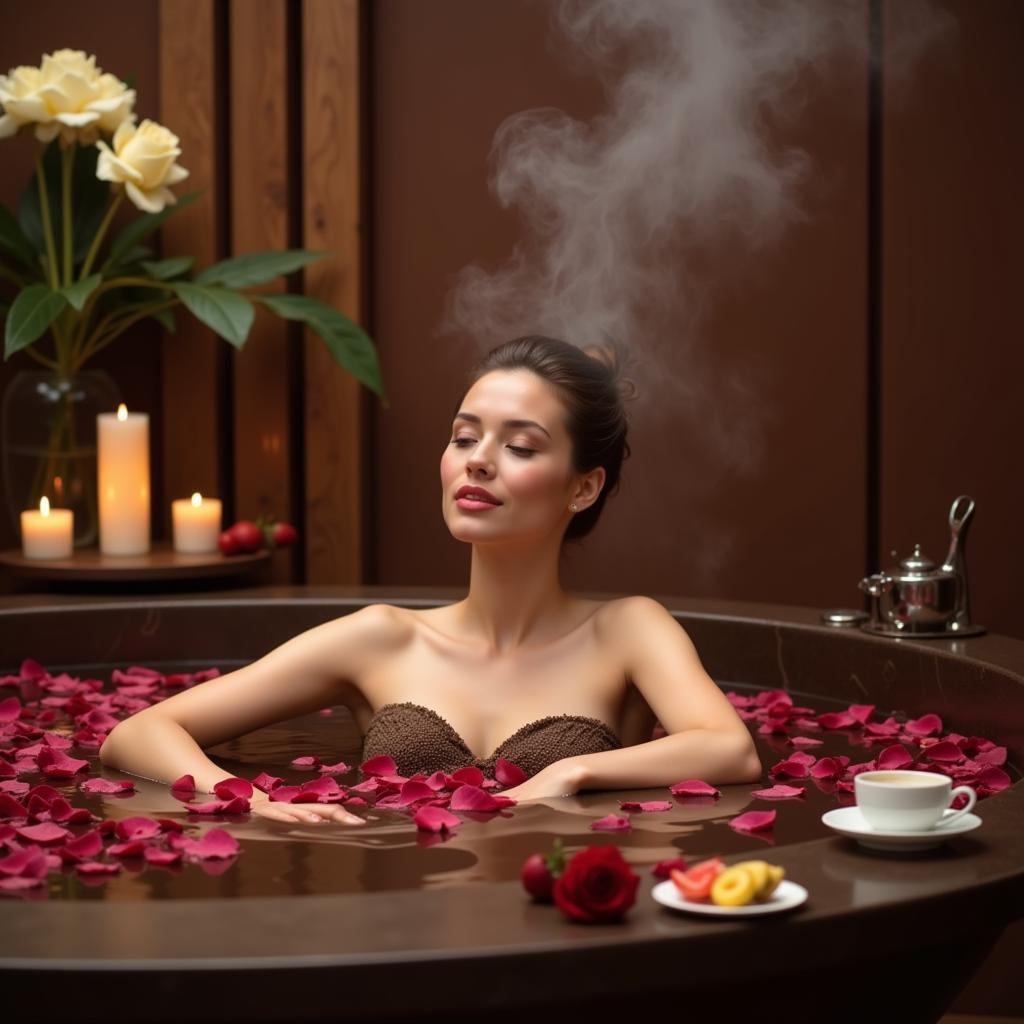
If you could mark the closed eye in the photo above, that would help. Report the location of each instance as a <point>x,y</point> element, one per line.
<point>523,453</point>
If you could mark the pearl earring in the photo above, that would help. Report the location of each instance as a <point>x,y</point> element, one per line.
<point>574,507</point>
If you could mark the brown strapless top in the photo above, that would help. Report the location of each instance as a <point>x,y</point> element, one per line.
<point>420,740</point>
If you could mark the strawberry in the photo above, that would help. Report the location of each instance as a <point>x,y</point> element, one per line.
<point>540,871</point>
<point>247,535</point>
<point>227,543</point>
<point>283,534</point>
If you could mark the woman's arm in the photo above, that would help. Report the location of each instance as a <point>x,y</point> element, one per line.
<point>707,739</point>
<point>313,670</point>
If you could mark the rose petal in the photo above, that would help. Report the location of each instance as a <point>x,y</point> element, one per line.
<point>217,842</point>
<point>379,766</point>
<point>779,792</point>
<point>611,823</point>
<point>753,821</point>
<point>694,787</point>
<point>435,819</point>
<point>472,798</point>
<point>226,789</point>
<point>45,833</point>
<point>924,726</point>
<point>894,757</point>
<point>646,805</point>
<point>137,828</point>
<point>508,774</point>
<point>107,786</point>
<point>469,775</point>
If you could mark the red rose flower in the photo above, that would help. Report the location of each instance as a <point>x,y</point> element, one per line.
<point>597,885</point>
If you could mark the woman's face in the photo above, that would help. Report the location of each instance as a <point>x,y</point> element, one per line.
<point>508,438</point>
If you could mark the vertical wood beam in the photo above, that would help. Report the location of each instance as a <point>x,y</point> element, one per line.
<point>259,220</point>
<point>189,357</point>
<point>334,402</point>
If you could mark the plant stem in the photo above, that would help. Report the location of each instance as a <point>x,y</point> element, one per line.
<point>66,166</point>
<point>103,338</point>
<point>101,232</point>
<point>44,209</point>
<point>50,364</point>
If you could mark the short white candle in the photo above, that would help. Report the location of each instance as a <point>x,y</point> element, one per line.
<point>48,532</point>
<point>123,443</point>
<point>196,524</point>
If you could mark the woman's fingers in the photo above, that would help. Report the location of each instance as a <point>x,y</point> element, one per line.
<point>311,813</point>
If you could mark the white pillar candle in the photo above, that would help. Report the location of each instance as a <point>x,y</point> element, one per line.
<point>48,532</point>
<point>123,443</point>
<point>196,523</point>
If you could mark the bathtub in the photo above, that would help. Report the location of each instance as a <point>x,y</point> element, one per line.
<point>315,926</point>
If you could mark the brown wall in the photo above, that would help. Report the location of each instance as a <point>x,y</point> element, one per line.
<point>853,462</point>
<point>849,462</point>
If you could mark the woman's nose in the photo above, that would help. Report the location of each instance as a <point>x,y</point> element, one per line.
<point>479,460</point>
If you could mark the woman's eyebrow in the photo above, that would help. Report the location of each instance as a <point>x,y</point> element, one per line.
<point>505,423</point>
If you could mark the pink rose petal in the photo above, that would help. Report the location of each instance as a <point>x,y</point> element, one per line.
<point>339,768</point>
<point>162,857</point>
<point>137,828</point>
<point>694,787</point>
<point>753,821</point>
<point>779,792</point>
<point>379,766</point>
<point>646,805</point>
<point>472,798</point>
<point>611,823</point>
<point>435,819</point>
<point>217,842</point>
<point>305,762</point>
<point>227,789</point>
<point>924,726</point>
<point>469,775</point>
<point>107,786</point>
<point>894,757</point>
<point>10,709</point>
<point>508,774</point>
<point>46,833</point>
<point>95,867</point>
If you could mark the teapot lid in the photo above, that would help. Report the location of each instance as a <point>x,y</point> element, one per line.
<point>917,563</point>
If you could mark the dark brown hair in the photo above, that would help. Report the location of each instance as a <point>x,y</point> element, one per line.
<point>592,390</point>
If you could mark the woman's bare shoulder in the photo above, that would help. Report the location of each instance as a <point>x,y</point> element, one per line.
<point>633,615</point>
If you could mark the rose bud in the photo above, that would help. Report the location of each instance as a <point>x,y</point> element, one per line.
<point>247,535</point>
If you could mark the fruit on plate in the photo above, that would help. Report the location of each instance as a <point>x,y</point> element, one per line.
<point>695,883</point>
<point>745,883</point>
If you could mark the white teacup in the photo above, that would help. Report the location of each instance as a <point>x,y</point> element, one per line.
<point>911,801</point>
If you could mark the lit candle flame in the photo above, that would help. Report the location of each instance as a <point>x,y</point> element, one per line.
<point>122,412</point>
<point>44,506</point>
<point>197,500</point>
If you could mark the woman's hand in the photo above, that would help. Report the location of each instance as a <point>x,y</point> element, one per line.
<point>279,810</point>
<point>563,778</point>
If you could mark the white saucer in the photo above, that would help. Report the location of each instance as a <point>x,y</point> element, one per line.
<point>848,821</point>
<point>787,894</point>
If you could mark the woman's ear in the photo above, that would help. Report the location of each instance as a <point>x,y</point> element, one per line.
<point>589,487</point>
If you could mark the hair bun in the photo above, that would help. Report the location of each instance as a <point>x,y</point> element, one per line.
<point>613,357</point>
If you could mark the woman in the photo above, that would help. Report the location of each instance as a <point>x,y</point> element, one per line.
<point>568,688</point>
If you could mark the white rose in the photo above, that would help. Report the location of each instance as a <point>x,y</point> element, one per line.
<point>68,95</point>
<point>143,161</point>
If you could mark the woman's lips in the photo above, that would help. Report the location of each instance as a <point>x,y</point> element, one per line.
<point>471,501</point>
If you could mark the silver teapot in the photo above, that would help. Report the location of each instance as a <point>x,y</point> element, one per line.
<point>919,599</point>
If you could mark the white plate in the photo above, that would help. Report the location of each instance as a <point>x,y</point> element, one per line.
<point>787,894</point>
<point>848,821</point>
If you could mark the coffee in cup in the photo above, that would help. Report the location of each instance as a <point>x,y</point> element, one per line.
<point>910,801</point>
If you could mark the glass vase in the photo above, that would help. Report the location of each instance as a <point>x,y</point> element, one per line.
<point>49,443</point>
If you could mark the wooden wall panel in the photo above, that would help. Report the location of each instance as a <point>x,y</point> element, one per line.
<point>189,357</point>
<point>952,418</point>
<point>332,220</point>
<point>259,220</point>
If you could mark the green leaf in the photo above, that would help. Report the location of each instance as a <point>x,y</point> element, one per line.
<point>228,314</point>
<point>142,227</point>
<point>257,267</point>
<point>164,270</point>
<point>35,308</point>
<point>13,241</point>
<point>78,292</point>
<point>165,318</point>
<point>348,343</point>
